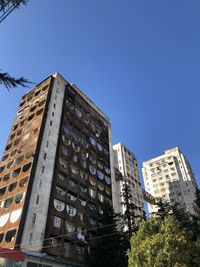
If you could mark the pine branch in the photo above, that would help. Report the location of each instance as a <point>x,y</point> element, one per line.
<point>5,3</point>
<point>11,82</point>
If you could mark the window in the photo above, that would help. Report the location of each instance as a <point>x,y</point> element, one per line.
<point>100,148</point>
<point>92,181</point>
<point>26,167</point>
<point>82,202</point>
<point>92,192</point>
<point>19,159</point>
<point>72,196</point>
<point>12,186</point>
<point>107,170</point>
<point>57,222</point>
<point>59,205</point>
<point>60,191</point>
<point>5,157</point>
<point>51,123</point>
<point>108,180</point>
<point>30,237</point>
<point>84,164</point>
<point>19,132</point>
<point>92,169</point>
<point>92,221</point>
<point>13,152</point>
<point>31,117</point>
<point>23,181</point>
<point>74,169</point>
<point>92,141</point>
<point>83,189</point>
<point>22,148</point>
<point>8,146</point>
<point>75,158</point>
<point>71,210</point>
<point>76,147</point>
<point>2,168</point>
<point>63,163</point>
<point>29,154</point>
<point>43,169</point>
<point>37,199</point>
<point>101,197</point>
<point>101,187</point>
<point>10,235</point>
<point>19,197</point>
<point>25,137</point>
<point>61,177</point>
<point>78,113</point>
<point>39,111</point>
<point>45,156</point>
<point>35,131</point>
<point>33,218</point>
<point>3,219</point>
<point>8,202</point>
<point>69,227</point>
<point>40,183</point>
<point>100,175</point>
<point>9,165</point>
<point>33,108</point>
<point>6,177</point>
<point>80,215</point>
<point>1,236</point>
<point>93,158</point>
<point>2,191</point>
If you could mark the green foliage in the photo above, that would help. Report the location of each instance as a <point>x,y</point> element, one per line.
<point>166,209</point>
<point>163,243</point>
<point>106,251</point>
<point>129,218</point>
<point>196,216</point>
<point>129,222</point>
<point>9,81</point>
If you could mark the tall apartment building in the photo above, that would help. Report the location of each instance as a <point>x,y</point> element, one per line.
<point>126,162</point>
<point>55,172</point>
<point>170,177</point>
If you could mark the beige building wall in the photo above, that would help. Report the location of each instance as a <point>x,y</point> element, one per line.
<point>170,177</point>
<point>126,163</point>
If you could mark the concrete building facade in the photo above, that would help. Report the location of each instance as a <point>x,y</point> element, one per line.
<point>55,172</point>
<point>170,178</point>
<point>126,163</point>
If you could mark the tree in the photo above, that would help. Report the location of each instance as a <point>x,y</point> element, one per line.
<point>106,251</point>
<point>6,7</point>
<point>196,216</point>
<point>128,223</point>
<point>128,218</point>
<point>9,81</point>
<point>166,209</point>
<point>163,243</point>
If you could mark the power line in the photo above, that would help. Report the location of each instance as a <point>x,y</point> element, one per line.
<point>71,242</point>
<point>42,240</point>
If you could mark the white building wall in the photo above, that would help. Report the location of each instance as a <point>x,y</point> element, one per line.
<point>124,160</point>
<point>168,177</point>
<point>34,229</point>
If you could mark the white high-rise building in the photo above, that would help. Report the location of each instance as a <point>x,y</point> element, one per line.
<point>170,177</point>
<point>126,163</point>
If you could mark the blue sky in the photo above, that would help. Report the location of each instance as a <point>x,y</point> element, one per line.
<point>138,60</point>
